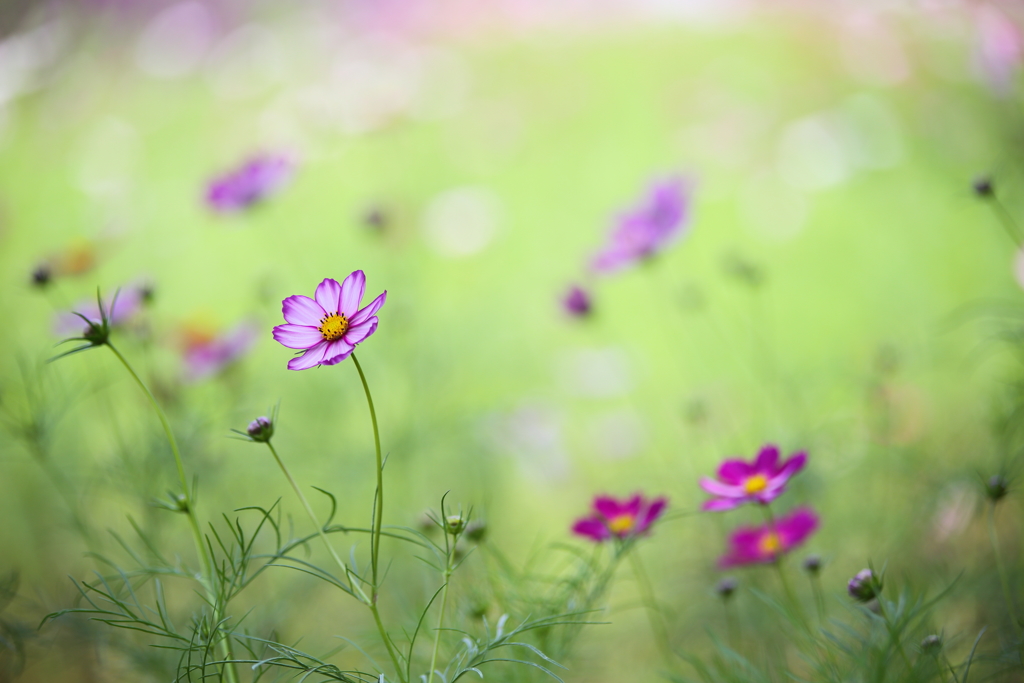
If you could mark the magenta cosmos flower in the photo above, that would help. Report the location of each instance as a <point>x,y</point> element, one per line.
<point>330,326</point>
<point>619,519</point>
<point>253,181</point>
<point>760,481</point>
<point>759,544</point>
<point>208,356</point>
<point>647,228</point>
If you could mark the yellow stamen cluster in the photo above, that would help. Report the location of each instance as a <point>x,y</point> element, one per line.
<point>333,327</point>
<point>755,484</point>
<point>621,524</point>
<point>770,544</point>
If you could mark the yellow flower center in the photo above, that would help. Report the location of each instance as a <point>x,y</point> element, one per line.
<point>621,524</point>
<point>770,544</point>
<point>755,484</point>
<point>333,327</point>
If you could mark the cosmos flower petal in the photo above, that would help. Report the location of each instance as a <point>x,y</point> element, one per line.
<point>767,460</point>
<point>352,290</point>
<point>369,310</point>
<point>608,507</point>
<point>301,310</point>
<point>717,488</point>
<point>651,514</point>
<point>297,336</point>
<point>793,465</point>
<point>734,471</point>
<point>311,358</point>
<point>337,351</point>
<point>358,333</point>
<point>328,295</point>
<point>592,528</point>
<point>721,504</point>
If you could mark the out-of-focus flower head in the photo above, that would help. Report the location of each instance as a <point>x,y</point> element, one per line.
<point>997,487</point>
<point>1000,47</point>
<point>864,586</point>
<point>983,187</point>
<point>329,326</point>
<point>260,429</point>
<point>931,644</point>
<point>726,587</point>
<point>620,519</point>
<point>207,355</point>
<point>255,180</point>
<point>761,544</point>
<point>123,307</point>
<point>760,481</point>
<point>812,564</point>
<point>576,302</point>
<point>648,228</point>
<point>42,275</point>
<point>77,258</point>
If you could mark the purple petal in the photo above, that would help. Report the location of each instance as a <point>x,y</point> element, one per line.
<point>592,528</point>
<point>301,310</point>
<point>717,488</point>
<point>608,507</point>
<point>721,504</point>
<point>311,358</point>
<point>370,309</point>
<point>632,506</point>
<point>360,332</point>
<point>337,351</point>
<point>734,471</point>
<point>297,336</point>
<point>352,290</point>
<point>328,295</point>
<point>651,514</point>
<point>793,465</point>
<point>767,460</point>
<point>794,528</point>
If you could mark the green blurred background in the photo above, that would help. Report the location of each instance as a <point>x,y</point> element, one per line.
<point>840,289</point>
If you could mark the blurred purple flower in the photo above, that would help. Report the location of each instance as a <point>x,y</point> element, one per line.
<point>619,519</point>
<point>1000,47</point>
<point>647,228</point>
<point>577,302</point>
<point>760,481</point>
<point>124,306</point>
<point>756,545</point>
<point>330,326</point>
<point>206,357</point>
<point>252,182</point>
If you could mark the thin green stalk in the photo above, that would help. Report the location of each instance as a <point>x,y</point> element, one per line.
<point>440,618</point>
<point>316,522</point>
<point>653,614</point>
<point>790,595</point>
<point>206,576</point>
<point>1003,578</point>
<point>891,626</point>
<point>819,599</point>
<point>377,517</point>
<point>730,625</point>
<point>1007,221</point>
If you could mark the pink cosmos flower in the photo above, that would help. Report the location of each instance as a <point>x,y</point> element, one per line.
<point>205,357</point>
<point>760,544</point>
<point>330,326</point>
<point>646,229</point>
<point>619,519</point>
<point>253,181</point>
<point>760,481</point>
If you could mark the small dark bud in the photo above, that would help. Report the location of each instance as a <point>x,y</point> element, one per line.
<point>983,187</point>
<point>864,586</point>
<point>97,333</point>
<point>996,487</point>
<point>42,275</point>
<point>479,609</point>
<point>476,531</point>
<point>812,564</point>
<point>375,218</point>
<point>577,302</point>
<point>180,502</point>
<point>931,644</point>
<point>726,587</point>
<point>261,429</point>
<point>454,524</point>
<point>147,292</point>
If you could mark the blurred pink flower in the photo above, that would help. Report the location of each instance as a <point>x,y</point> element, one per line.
<point>648,228</point>
<point>760,481</point>
<point>620,519</point>
<point>122,307</point>
<point>1000,47</point>
<point>760,544</point>
<point>255,180</point>
<point>207,356</point>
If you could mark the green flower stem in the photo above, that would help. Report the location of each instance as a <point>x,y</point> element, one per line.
<point>790,595</point>
<point>375,533</point>
<point>1007,221</point>
<point>206,577</point>
<point>316,522</point>
<point>440,618</point>
<point>654,616</point>
<point>819,598</point>
<point>1003,578</point>
<point>891,626</point>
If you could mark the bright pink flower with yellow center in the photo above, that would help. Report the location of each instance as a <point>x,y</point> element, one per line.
<point>620,519</point>
<point>760,481</point>
<point>329,326</point>
<point>760,544</point>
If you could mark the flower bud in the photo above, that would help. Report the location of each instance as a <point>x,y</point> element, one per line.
<point>454,524</point>
<point>42,275</point>
<point>180,502</point>
<point>476,531</point>
<point>577,302</point>
<point>996,487</point>
<point>864,586</point>
<point>812,564</point>
<point>261,429</point>
<point>931,644</point>
<point>726,587</point>
<point>983,186</point>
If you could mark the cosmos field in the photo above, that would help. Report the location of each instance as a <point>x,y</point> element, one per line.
<point>699,358</point>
